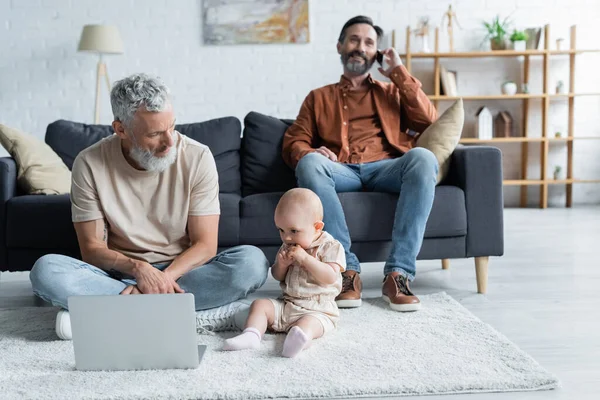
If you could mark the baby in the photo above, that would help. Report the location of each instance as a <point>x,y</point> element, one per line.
<point>309,266</point>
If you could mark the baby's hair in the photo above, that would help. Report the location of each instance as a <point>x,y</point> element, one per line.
<point>305,198</point>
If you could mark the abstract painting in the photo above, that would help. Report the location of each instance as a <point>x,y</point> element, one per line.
<point>255,21</point>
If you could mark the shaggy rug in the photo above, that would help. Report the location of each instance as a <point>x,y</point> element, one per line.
<point>442,349</point>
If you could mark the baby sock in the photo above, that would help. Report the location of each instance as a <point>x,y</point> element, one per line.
<point>295,341</point>
<point>248,339</point>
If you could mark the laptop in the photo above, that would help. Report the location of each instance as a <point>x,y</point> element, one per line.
<point>149,331</point>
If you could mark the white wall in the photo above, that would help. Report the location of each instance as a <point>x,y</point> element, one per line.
<point>43,78</point>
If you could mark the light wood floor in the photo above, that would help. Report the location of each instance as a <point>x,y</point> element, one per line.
<point>543,294</point>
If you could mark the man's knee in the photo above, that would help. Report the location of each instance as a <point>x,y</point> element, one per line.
<point>311,167</point>
<point>423,161</point>
<point>255,265</point>
<point>44,269</point>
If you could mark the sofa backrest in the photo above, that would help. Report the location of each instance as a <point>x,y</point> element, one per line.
<point>221,135</point>
<point>263,169</point>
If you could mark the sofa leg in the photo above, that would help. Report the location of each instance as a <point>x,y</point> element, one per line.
<point>445,263</point>
<point>481,273</point>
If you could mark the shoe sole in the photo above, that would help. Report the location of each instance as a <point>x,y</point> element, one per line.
<point>60,331</point>
<point>349,303</point>
<point>402,307</point>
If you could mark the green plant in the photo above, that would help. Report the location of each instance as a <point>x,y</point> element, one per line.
<point>518,35</point>
<point>496,30</point>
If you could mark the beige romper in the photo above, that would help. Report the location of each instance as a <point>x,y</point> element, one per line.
<point>302,295</point>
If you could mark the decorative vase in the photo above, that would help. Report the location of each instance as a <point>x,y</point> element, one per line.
<point>509,88</point>
<point>519,45</point>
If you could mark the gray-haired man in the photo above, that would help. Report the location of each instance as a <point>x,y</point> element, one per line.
<point>145,205</point>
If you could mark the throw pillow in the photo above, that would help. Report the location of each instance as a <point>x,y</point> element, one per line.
<point>263,169</point>
<point>442,137</point>
<point>39,169</point>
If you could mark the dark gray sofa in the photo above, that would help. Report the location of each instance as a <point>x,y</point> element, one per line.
<point>466,219</point>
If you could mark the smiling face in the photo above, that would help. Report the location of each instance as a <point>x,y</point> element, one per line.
<point>358,51</point>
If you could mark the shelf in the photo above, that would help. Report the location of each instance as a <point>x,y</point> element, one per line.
<point>490,97</point>
<point>502,140</point>
<point>527,139</point>
<point>522,182</point>
<point>569,139</point>
<point>569,181</point>
<point>518,96</point>
<point>565,95</point>
<point>533,182</point>
<point>497,53</point>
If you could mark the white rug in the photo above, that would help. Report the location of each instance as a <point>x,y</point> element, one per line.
<point>442,349</point>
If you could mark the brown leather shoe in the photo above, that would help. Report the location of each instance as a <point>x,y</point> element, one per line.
<point>397,293</point>
<point>351,290</point>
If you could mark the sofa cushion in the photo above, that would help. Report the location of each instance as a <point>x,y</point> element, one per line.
<point>39,169</point>
<point>369,215</point>
<point>44,222</point>
<point>442,137</point>
<point>263,169</point>
<point>221,135</point>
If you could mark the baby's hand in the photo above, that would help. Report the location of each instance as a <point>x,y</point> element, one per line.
<point>297,254</point>
<point>283,258</point>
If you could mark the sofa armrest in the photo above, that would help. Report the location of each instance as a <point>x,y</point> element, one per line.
<point>8,190</point>
<point>478,171</point>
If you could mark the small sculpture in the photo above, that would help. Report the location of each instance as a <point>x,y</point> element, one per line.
<point>450,14</point>
<point>423,32</point>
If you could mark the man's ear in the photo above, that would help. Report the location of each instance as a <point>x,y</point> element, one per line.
<point>119,129</point>
<point>319,225</point>
<point>339,48</point>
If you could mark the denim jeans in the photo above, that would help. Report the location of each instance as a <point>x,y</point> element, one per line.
<point>413,175</point>
<point>229,276</point>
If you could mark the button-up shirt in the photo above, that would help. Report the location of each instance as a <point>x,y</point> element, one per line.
<point>363,125</point>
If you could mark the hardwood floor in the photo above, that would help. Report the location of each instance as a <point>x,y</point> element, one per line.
<point>543,294</point>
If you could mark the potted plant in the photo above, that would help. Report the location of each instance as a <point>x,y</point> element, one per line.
<point>557,170</point>
<point>519,40</point>
<point>496,33</point>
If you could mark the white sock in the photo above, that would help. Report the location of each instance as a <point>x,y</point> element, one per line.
<point>248,339</point>
<point>295,341</point>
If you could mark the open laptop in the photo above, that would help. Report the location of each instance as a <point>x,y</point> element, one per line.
<point>150,331</point>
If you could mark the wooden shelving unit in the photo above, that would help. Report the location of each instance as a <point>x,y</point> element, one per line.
<point>544,140</point>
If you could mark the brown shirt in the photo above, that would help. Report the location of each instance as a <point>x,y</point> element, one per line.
<point>360,127</point>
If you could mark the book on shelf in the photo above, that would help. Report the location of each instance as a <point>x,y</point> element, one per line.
<point>448,85</point>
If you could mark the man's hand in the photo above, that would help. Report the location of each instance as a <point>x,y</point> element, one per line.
<point>131,289</point>
<point>152,280</point>
<point>327,153</point>
<point>392,59</point>
<point>297,254</point>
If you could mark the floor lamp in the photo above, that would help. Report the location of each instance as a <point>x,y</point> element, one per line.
<point>101,39</point>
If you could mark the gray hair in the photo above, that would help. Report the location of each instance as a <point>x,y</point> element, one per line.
<point>135,91</point>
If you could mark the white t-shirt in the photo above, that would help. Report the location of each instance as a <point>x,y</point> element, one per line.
<point>146,212</point>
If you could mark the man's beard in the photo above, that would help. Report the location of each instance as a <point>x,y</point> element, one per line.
<point>356,66</point>
<point>148,161</point>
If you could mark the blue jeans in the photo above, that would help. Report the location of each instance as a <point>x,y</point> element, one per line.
<point>229,276</point>
<point>413,175</point>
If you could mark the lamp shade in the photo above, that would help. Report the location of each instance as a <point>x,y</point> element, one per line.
<point>101,39</point>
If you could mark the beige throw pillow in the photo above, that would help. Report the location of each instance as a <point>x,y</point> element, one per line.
<point>39,169</point>
<point>442,137</point>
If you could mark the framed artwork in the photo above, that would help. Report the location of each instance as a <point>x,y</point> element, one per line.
<point>255,21</point>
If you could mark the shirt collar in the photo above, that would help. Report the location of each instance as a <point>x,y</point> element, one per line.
<point>346,84</point>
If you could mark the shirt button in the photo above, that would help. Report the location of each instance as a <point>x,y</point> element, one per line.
<point>345,107</point>
<point>344,94</point>
<point>344,123</point>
